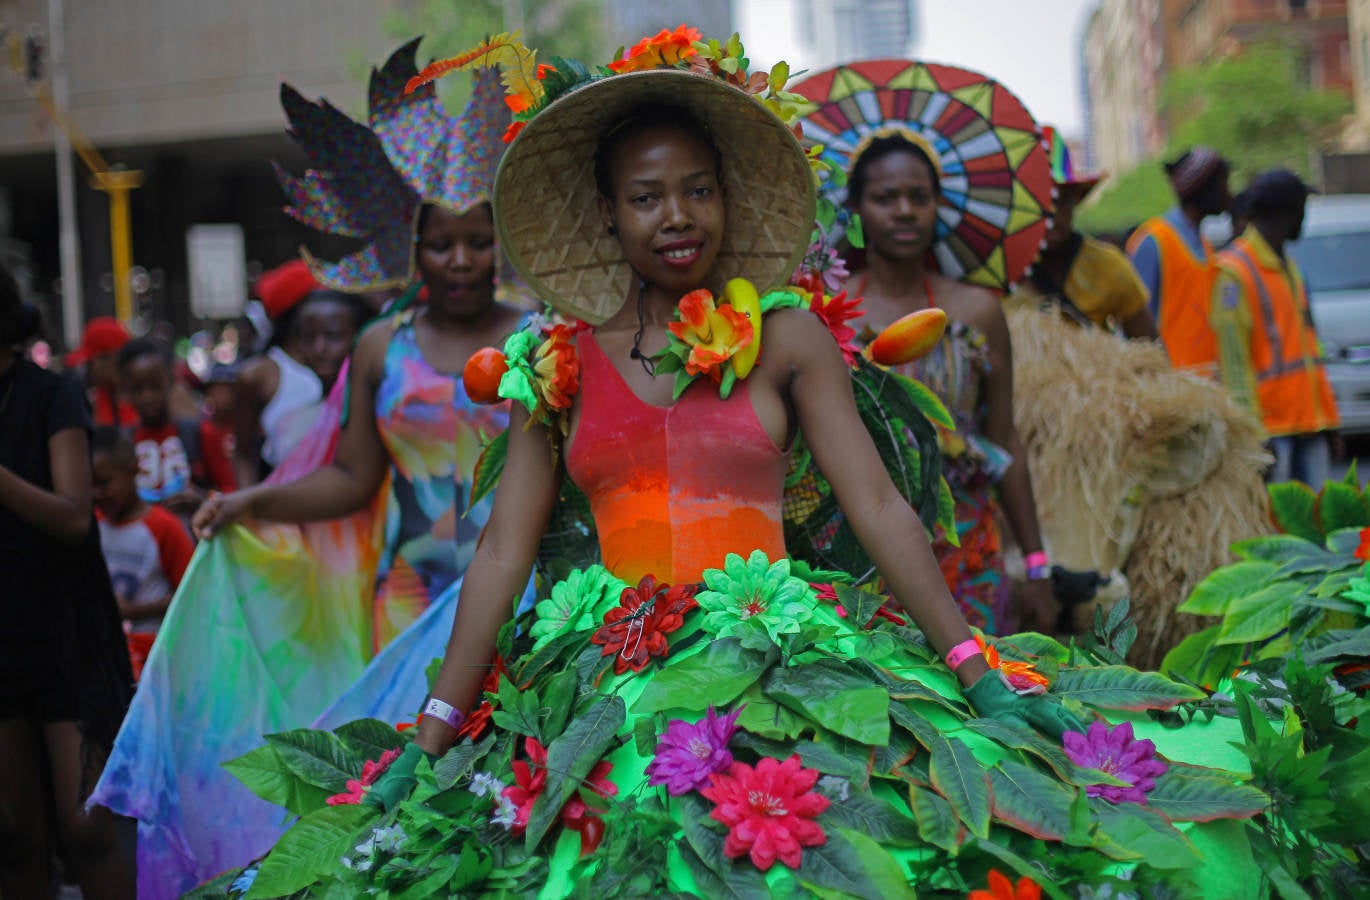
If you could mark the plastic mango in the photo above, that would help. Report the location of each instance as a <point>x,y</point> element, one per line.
<point>482,373</point>
<point>742,295</point>
<point>910,338</point>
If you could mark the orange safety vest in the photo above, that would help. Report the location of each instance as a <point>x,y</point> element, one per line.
<point>1291,383</point>
<point>1185,293</point>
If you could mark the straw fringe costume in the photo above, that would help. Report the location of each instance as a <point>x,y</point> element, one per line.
<point>277,626</point>
<point>771,731</point>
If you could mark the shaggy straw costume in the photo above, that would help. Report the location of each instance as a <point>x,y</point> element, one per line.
<point>1135,466</point>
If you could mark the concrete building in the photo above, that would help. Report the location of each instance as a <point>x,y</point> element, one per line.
<point>1124,59</point>
<point>1200,30</point>
<point>1358,41</point>
<point>186,92</point>
<point>827,32</point>
<point>631,20</point>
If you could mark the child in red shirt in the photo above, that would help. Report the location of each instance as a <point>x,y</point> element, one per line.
<point>217,435</point>
<point>171,456</point>
<point>146,548</point>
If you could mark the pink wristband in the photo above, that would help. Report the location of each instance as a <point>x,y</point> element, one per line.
<point>443,712</point>
<point>1036,560</point>
<point>962,652</point>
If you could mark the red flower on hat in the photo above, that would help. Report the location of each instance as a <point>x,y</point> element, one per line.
<point>665,48</point>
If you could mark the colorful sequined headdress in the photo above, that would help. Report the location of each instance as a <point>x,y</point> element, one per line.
<point>546,212</point>
<point>369,182</point>
<point>1063,173</point>
<point>996,174</point>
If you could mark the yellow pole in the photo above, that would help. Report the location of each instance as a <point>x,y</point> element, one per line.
<point>117,183</point>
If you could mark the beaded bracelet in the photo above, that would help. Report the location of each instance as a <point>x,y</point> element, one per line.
<point>443,712</point>
<point>962,652</point>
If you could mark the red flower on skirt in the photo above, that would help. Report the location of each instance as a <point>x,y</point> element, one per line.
<point>769,810</point>
<point>636,629</point>
<point>531,780</point>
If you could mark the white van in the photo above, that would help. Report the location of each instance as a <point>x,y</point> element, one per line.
<point>1334,255</point>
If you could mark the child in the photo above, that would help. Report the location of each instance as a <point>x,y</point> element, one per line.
<point>101,342</point>
<point>217,438</point>
<point>171,457</point>
<point>146,547</point>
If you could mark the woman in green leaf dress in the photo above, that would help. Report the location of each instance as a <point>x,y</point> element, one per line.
<point>699,714</point>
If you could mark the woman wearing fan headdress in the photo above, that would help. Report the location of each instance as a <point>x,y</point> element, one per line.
<point>772,731</point>
<point>279,624</point>
<point>946,170</point>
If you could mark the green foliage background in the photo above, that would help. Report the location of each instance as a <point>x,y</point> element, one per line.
<point>1255,108</point>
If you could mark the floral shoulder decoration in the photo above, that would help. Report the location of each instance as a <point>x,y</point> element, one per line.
<point>538,367</point>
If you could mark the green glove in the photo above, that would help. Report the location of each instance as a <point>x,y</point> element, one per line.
<point>398,781</point>
<point>992,699</point>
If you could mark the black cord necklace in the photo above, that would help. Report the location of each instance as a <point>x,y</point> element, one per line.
<point>648,364</point>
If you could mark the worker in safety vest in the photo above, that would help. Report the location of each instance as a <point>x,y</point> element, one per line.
<point>1268,352</point>
<point>1176,263</point>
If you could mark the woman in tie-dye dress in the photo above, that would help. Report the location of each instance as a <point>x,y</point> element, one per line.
<point>276,625</point>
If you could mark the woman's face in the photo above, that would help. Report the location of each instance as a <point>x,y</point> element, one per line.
<point>667,205</point>
<point>456,260</point>
<point>898,207</point>
<point>324,330</point>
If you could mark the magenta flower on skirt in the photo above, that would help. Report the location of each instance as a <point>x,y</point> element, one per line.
<point>688,753</point>
<point>1118,753</point>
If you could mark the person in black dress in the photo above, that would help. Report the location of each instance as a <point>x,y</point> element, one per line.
<point>65,679</point>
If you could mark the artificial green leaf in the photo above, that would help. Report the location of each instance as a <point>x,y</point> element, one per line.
<point>927,402</point>
<point>456,764</point>
<point>1276,548</point>
<point>558,700</point>
<point>263,772</point>
<point>370,737</point>
<point>1351,478</point>
<point>1029,646</point>
<point>489,467</point>
<point>310,848</point>
<point>825,214</point>
<point>725,385</point>
<point>946,513</point>
<point>1200,660</point>
<point>1183,795</point>
<point>318,757</point>
<point>518,711</point>
<point>1049,752</point>
<point>860,604</point>
<point>831,695</point>
<point>855,235</point>
<point>570,758</point>
<point>903,714</point>
<point>960,777</point>
<point>838,865</point>
<point>1132,832</point>
<point>1031,802</point>
<point>1344,645</point>
<point>1211,596</point>
<point>768,718</point>
<point>874,817</point>
<point>1260,615</point>
<point>549,655</point>
<point>1121,687</point>
<point>1292,506</point>
<point>937,821</point>
<point>713,677</point>
<point>743,881</point>
<point>1341,506</point>
<point>841,761</point>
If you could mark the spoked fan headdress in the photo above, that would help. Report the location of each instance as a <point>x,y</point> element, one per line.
<point>994,166</point>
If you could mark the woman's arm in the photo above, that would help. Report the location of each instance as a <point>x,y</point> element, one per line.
<point>1039,606</point>
<point>335,490</point>
<point>64,511</point>
<point>819,384</point>
<point>499,570</point>
<point>255,384</point>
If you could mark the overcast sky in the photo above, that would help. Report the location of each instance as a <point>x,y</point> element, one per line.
<point>1032,46</point>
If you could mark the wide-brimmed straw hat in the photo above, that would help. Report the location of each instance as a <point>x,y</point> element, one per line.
<point>546,211</point>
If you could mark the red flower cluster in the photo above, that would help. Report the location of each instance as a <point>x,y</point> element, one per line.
<point>769,810</point>
<point>557,367</point>
<point>636,629</point>
<point>358,788</point>
<point>531,780</point>
<point>1363,551</point>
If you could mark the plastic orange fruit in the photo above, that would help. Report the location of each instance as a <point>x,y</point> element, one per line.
<point>482,375</point>
<point>909,338</point>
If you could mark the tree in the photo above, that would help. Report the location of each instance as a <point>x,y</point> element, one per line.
<point>1255,109</point>
<point>1252,107</point>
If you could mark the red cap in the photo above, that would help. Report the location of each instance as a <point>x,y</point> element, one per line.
<point>103,334</point>
<point>282,287</point>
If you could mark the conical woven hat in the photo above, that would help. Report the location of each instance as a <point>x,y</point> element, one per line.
<point>547,217</point>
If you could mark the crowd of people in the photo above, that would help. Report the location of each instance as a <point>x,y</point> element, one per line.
<point>334,473</point>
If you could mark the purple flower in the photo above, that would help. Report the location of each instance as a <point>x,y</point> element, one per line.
<point>835,272</point>
<point>688,753</point>
<point>1118,753</point>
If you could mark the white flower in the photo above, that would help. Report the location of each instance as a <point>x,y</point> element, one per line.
<point>484,784</point>
<point>368,846</point>
<point>390,839</point>
<point>505,811</point>
<point>836,788</point>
